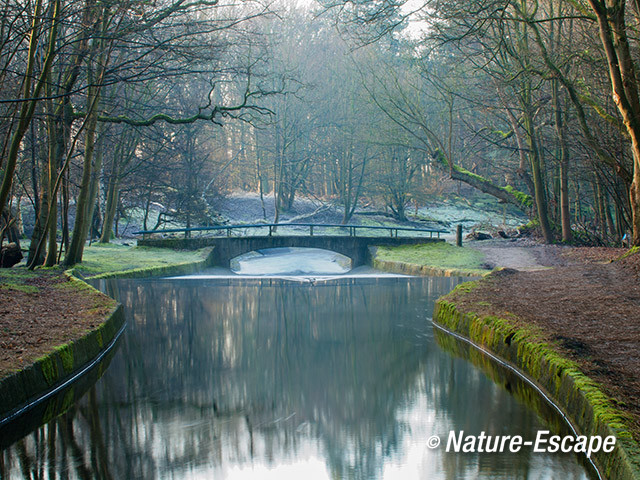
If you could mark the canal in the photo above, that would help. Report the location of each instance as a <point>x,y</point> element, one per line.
<point>325,376</point>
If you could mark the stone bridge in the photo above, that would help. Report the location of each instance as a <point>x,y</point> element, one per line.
<point>355,247</point>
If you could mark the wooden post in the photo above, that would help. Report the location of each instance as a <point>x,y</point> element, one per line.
<point>459,235</point>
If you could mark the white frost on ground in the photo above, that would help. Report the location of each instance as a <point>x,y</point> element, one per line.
<point>468,216</point>
<point>520,254</point>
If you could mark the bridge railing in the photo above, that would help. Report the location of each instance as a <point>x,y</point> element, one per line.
<point>271,228</point>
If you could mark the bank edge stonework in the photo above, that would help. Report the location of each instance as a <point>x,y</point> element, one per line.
<point>27,385</point>
<point>579,397</point>
<point>65,361</point>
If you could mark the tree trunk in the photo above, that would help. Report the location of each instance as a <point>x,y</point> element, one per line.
<point>94,185</point>
<point>536,170</point>
<point>506,194</point>
<point>113,191</point>
<point>624,83</point>
<point>56,140</point>
<point>598,206</point>
<point>41,217</point>
<point>83,205</point>
<point>565,213</point>
<point>65,211</point>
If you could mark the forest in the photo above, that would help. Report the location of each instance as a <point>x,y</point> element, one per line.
<point>112,105</point>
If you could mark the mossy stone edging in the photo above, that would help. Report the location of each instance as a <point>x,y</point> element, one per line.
<point>393,266</point>
<point>581,399</point>
<point>30,383</point>
<point>24,386</point>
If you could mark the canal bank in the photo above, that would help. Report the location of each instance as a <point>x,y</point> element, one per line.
<point>570,330</point>
<point>435,259</point>
<point>55,327</point>
<point>589,386</point>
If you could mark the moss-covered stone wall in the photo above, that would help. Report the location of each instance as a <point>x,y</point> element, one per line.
<point>423,270</point>
<point>580,398</point>
<point>28,384</point>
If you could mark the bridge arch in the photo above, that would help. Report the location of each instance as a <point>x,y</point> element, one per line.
<point>292,261</point>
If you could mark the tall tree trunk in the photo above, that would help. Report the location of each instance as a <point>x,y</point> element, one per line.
<point>608,216</point>
<point>260,184</point>
<point>565,214</point>
<point>83,204</point>
<point>624,83</point>
<point>41,213</point>
<point>113,191</point>
<point>57,146</point>
<point>94,185</point>
<point>65,211</point>
<point>537,175</point>
<point>52,248</point>
<point>599,205</point>
<point>35,185</point>
<point>277,173</point>
<point>28,107</point>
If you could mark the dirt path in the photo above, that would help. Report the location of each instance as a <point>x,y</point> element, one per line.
<point>519,254</point>
<point>41,311</point>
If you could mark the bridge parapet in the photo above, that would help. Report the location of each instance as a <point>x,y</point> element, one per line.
<point>226,248</point>
<point>247,230</point>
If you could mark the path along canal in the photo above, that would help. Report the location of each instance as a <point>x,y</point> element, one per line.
<point>224,376</point>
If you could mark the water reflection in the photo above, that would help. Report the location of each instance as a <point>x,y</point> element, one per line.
<point>286,380</point>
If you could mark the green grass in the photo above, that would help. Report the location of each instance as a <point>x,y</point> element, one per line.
<point>440,254</point>
<point>16,274</point>
<point>107,258</point>
<point>16,279</point>
<point>19,287</point>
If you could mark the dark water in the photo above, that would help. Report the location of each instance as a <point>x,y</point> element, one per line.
<point>276,379</point>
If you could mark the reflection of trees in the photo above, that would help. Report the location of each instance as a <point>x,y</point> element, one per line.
<point>219,375</point>
<point>262,353</point>
<point>518,388</point>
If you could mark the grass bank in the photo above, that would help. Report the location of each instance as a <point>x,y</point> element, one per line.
<point>113,260</point>
<point>51,324</point>
<point>439,259</point>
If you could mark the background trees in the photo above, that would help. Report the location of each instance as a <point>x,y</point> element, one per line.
<point>116,107</point>
<point>540,68</point>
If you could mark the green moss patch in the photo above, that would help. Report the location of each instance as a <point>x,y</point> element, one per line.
<point>20,287</point>
<point>18,280</point>
<point>437,255</point>
<point>526,347</point>
<point>525,201</point>
<point>117,260</point>
<point>66,355</point>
